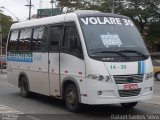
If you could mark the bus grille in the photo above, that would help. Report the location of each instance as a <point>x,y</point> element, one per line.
<point>124,79</point>
<point>129,93</point>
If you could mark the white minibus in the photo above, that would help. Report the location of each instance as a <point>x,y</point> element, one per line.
<point>84,57</point>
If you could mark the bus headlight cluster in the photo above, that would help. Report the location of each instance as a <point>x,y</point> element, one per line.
<point>100,78</point>
<point>149,75</point>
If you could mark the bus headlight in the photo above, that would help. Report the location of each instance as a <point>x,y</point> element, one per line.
<point>149,75</point>
<point>100,78</point>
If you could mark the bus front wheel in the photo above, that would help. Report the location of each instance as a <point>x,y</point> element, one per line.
<point>129,105</point>
<point>71,98</point>
<point>24,87</point>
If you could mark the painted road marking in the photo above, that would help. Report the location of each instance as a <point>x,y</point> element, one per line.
<point>8,110</point>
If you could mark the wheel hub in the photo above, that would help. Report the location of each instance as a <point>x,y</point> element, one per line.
<point>71,97</point>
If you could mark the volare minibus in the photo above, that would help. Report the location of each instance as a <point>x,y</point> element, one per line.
<point>84,57</point>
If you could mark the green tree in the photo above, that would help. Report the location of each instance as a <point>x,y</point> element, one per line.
<point>71,5</point>
<point>142,12</point>
<point>6,23</point>
<point>153,35</point>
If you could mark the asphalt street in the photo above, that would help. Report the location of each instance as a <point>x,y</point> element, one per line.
<point>39,107</point>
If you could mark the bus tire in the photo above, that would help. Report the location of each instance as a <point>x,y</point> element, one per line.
<point>24,87</point>
<point>129,105</point>
<point>71,98</point>
<point>157,76</point>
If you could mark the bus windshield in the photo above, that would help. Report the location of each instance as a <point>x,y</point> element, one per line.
<point>116,36</point>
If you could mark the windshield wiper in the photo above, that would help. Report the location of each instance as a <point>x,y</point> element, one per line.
<point>133,51</point>
<point>116,52</point>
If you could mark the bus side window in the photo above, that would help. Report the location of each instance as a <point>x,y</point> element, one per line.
<point>39,39</point>
<point>25,40</point>
<point>13,42</point>
<point>56,36</point>
<point>71,41</point>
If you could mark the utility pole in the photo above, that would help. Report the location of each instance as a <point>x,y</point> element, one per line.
<point>113,6</point>
<point>1,41</point>
<point>40,4</point>
<point>30,7</point>
<point>52,2</point>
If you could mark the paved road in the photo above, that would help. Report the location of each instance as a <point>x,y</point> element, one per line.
<point>40,107</point>
<point>157,88</point>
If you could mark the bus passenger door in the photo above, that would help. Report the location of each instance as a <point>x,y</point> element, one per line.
<point>54,59</point>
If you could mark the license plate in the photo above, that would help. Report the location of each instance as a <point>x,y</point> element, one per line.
<point>130,86</point>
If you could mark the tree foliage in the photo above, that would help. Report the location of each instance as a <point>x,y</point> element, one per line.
<point>71,5</point>
<point>6,23</point>
<point>143,12</point>
<point>153,34</point>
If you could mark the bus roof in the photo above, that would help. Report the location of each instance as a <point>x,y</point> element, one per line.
<point>38,22</point>
<point>61,18</point>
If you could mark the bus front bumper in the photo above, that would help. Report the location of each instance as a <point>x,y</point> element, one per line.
<point>111,93</point>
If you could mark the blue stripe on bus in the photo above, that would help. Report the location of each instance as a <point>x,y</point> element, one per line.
<point>141,67</point>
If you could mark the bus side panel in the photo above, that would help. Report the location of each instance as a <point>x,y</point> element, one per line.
<point>39,82</point>
<point>54,74</point>
<point>34,66</point>
<point>38,74</point>
<point>12,75</point>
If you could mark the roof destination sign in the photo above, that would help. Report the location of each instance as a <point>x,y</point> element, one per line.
<point>106,20</point>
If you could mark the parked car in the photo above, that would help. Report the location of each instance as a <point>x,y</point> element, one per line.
<point>3,61</point>
<point>156,67</point>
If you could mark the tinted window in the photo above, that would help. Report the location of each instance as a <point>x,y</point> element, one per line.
<point>13,44</point>
<point>66,37</point>
<point>39,42</point>
<point>56,36</point>
<point>71,40</point>
<point>25,40</point>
